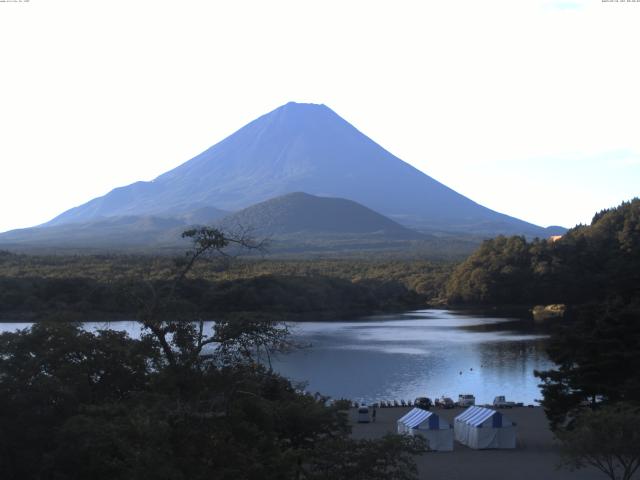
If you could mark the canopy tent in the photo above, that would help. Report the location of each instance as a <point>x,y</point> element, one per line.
<point>479,428</point>
<point>435,430</point>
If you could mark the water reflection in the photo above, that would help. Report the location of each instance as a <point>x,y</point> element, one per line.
<point>403,356</point>
<point>431,352</point>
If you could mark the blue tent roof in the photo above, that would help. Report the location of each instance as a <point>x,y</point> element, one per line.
<point>476,416</point>
<point>417,416</point>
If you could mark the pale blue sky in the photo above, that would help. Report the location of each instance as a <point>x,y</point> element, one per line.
<point>528,107</point>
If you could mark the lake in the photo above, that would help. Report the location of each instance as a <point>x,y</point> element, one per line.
<point>424,353</point>
<point>404,356</point>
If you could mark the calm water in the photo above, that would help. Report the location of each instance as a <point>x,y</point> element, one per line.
<point>424,353</point>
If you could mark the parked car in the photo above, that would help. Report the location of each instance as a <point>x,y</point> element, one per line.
<point>363,415</point>
<point>466,400</point>
<point>445,402</point>
<point>423,403</point>
<point>501,402</point>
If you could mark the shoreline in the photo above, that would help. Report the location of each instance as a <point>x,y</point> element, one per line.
<point>328,316</point>
<point>535,457</point>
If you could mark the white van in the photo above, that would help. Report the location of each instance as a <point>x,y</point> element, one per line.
<point>466,400</point>
<point>501,402</point>
<point>363,415</point>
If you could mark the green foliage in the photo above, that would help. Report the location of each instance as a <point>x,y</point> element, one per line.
<point>596,270</point>
<point>347,459</point>
<point>493,274</point>
<point>50,372</point>
<point>597,361</point>
<point>588,264</point>
<point>207,237</point>
<point>342,404</point>
<point>607,439</point>
<point>109,287</point>
<point>77,404</point>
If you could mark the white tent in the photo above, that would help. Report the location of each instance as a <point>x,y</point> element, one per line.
<point>437,431</point>
<point>479,427</point>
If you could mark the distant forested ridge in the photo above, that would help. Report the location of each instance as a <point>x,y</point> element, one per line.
<point>107,287</point>
<point>590,263</point>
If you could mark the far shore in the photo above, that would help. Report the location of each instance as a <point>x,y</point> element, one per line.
<point>327,316</point>
<point>536,456</point>
<point>518,313</point>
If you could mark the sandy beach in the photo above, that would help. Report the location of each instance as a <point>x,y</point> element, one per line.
<point>534,458</point>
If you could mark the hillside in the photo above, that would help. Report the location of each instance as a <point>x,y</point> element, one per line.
<point>303,215</point>
<point>113,233</point>
<point>297,223</point>
<point>107,233</point>
<point>590,263</point>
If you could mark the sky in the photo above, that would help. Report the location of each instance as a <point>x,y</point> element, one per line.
<point>529,107</point>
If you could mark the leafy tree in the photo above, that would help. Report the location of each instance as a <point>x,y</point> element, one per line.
<point>76,404</point>
<point>347,459</point>
<point>588,264</point>
<point>169,316</point>
<point>49,373</point>
<point>597,361</point>
<point>607,439</point>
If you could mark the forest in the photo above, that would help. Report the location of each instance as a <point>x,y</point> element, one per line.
<point>589,264</point>
<point>592,394</point>
<point>106,286</point>
<point>77,404</point>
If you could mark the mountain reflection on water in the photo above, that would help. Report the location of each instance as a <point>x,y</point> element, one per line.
<point>425,353</point>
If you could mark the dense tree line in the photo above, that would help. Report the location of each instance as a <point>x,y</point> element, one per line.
<point>37,298</point>
<point>423,276</point>
<point>596,352</point>
<point>595,270</point>
<point>592,394</point>
<point>107,286</point>
<point>78,405</point>
<point>179,403</point>
<point>588,264</point>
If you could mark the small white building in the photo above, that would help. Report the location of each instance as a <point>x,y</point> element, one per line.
<point>481,428</point>
<point>435,430</point>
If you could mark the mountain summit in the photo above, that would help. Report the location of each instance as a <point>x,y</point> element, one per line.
<point>302,148</point>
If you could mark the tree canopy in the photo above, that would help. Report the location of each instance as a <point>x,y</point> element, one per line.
<point>607,439</point>
<point>588,264</point>
<point>597,361</point>
<point>76,404</point>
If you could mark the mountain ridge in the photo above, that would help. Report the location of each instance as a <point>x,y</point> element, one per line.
<point>296,221</point>
<point>303,148</point>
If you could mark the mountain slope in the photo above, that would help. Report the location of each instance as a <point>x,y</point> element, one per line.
<point>295,221</point>
<point>104,233</point>
<point>303,215</point>
<point>302,147</point>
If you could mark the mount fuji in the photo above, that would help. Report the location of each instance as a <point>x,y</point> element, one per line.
<point>295,148</point>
